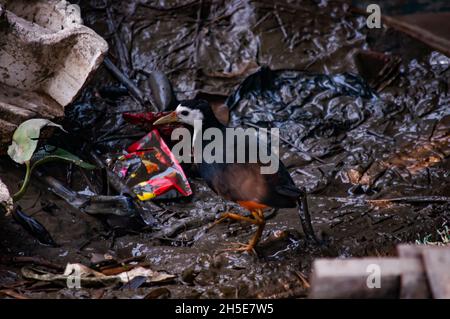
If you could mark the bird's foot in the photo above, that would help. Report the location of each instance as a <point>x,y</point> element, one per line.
<point>241,247</point>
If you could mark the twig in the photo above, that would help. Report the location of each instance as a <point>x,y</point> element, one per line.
<point>132,88</point>
<point>132,259</point>
<point>119,137</point>
<point>382,136</point>
<point>120,48</point>
<point>303,279</point>
<point>261,20</point>
<point>183,225</point>
<point>13,294</point>
<point>410,199</point>
<point>38,261</point>
<point>280,23</point>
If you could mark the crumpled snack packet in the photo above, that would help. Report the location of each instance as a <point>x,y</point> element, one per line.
<point>151,170</point>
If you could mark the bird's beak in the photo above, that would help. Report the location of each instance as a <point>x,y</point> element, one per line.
<point>169,118</point>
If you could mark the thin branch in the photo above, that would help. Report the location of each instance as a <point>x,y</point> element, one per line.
<point>406,199</point>
<point>38,261</point>
<point>132,88</point>
<point>184,225</point>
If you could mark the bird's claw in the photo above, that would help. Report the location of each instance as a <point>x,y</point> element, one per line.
<point>241,247</point>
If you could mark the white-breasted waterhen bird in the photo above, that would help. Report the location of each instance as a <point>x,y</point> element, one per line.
<point>243,183</point>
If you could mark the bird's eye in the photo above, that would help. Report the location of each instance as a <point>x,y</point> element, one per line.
<point>184,113</point>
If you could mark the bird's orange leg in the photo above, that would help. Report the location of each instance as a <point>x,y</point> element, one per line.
<point>234,217</point>
<point>261,223</point>
<point>259,216</point>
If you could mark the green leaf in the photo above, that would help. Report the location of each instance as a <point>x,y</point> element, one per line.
<point>25,139</point>
<point>50,153</point>
<point>44,155</point>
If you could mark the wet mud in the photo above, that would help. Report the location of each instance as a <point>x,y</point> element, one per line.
<point>364,115</point>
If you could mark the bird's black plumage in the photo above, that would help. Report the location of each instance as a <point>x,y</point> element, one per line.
<point>241,181</point>
<point>244,181</point>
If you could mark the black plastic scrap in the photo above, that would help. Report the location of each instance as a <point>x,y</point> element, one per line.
<point>32,226</point>
<point>211,46</point>
<point>269,83</point>
<point>303,105</point>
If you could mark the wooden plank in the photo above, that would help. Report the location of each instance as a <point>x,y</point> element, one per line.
<point>349,278</point>
<point>413,285</point>
<point>437,267</point>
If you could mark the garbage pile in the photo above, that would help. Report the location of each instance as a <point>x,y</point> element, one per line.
<point>364,128</point>
<point>46,57</point>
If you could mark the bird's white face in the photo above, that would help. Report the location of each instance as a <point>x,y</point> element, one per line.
<point>187,115</point>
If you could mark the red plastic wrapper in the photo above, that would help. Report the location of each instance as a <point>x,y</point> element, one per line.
<point>146,120</point>
<point>151,170</point>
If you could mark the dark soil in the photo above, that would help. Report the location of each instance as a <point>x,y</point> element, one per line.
<point>373,137</point>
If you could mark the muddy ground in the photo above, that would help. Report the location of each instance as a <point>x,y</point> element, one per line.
<point>347,140</point>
